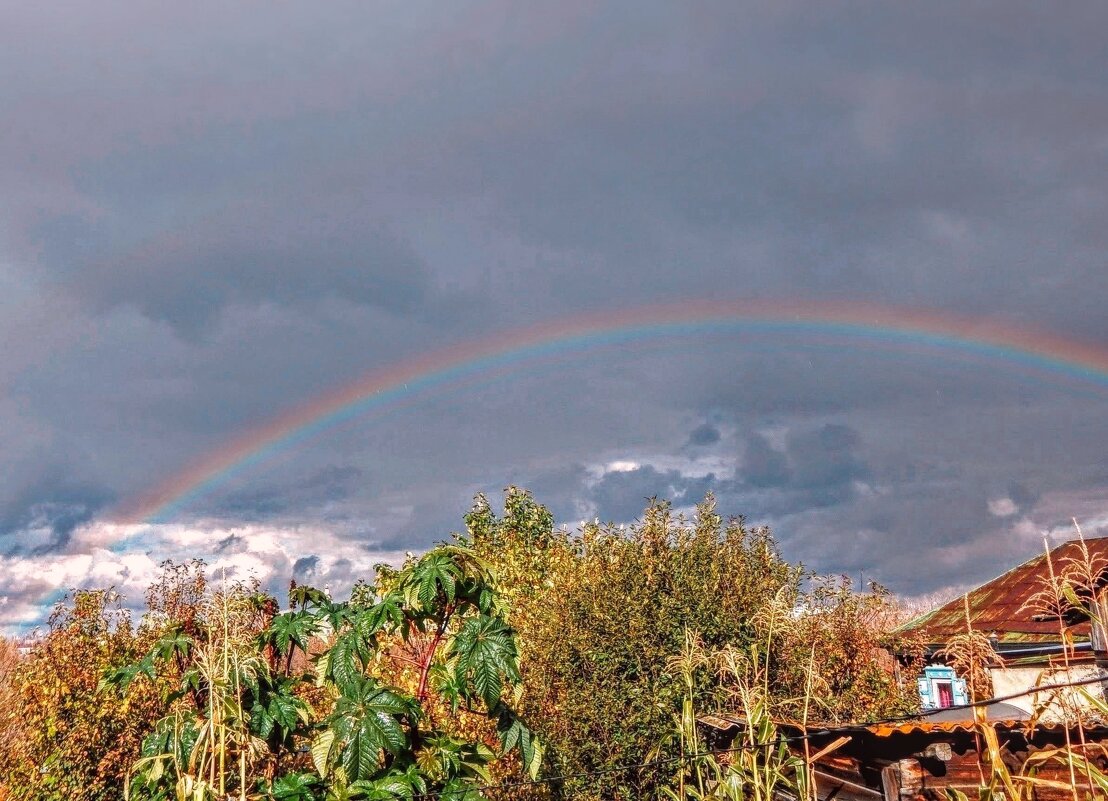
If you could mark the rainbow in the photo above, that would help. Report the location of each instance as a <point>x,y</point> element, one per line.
<point>854,322</point>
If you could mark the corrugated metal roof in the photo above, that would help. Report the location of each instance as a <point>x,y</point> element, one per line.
<point>935,726</point>
<point>932,726</point>
<point>1000,605</point>
<point>919,726</point>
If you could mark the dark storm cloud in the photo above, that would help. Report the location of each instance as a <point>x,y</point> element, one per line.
<point>42,514</point>
<point>818,467</point>
<point>326,486</point>
<point>622,495</point>
<point>826,458</point>
<point>704,434</point>
<point>212,215</point>
<point>290,255</point>
<point>305,567</point>
<point>764,465</point>
<point>1022,496</point>
<point>231,544</point>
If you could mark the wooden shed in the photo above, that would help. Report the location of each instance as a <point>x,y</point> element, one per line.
<point>920,760</point>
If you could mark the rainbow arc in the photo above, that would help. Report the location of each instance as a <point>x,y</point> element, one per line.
<point>898,328</point>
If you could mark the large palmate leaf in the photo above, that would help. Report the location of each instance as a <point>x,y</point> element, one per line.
<point>388,613</point>
<point>459,790</point>
<point>368,722</point>
<point>122,677</point>
<point>173,643</point>
<point>514,734</point>
<point>355,646</point>
<point>345,662</point>
<point>484,655</point>
<point>321,751</point>
<point>444,758</point>
<point>290,628</point>
<point>295,787</point>
<point>436,573</point>
<point>368,622</point>
<point>277,710</point>
<point>393,786</point>
<point>307,597</point>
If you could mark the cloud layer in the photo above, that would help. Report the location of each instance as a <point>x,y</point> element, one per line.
<point>213,214</point>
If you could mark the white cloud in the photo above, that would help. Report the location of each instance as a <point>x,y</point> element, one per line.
<point>621,467</point>
<point>127,557</point>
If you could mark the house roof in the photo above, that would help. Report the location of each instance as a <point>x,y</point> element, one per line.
<point>1002,606</point>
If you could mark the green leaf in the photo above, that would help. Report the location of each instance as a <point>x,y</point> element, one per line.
<point>486,657</point>
<point>435,574</point>
<point>367,721</point>
<point>514,734</point>
<point>321,751</point>
<point>294,787</point>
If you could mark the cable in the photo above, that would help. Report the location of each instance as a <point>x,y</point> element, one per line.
<point>988,701</point>
<point>628,767</point>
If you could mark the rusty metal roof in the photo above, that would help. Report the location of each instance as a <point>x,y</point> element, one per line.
<point>931,726</point>
<point>1000,606</point>
<point>917,726</point>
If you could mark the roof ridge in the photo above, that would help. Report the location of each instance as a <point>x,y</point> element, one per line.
<point>920,622</point>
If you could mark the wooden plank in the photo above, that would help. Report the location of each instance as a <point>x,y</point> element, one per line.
<point>827,749</point>
<point>890,782</point>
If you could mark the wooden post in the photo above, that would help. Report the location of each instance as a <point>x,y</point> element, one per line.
<point>902,780</point>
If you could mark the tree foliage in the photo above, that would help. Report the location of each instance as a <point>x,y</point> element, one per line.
<point>61,741</point>
<point>518,647</point>
<point>601,614</point>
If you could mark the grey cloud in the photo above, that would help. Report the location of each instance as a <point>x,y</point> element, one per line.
<point>41,515</point>
<point>826,457</point>
<point>898,540</point>
<point>1022,496</point>
<point>425,525</point>
<point>763,465</point>
<point>288,255</point>
<point>328,485</point>
<point>622,495</point>
<point>304,568</point>
<point>704,434</point>
<point>341,573</point>
<point>818,468</point>
<point>211,217</point>
<point>230,544</point>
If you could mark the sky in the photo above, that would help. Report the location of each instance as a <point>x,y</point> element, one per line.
<point>213,214</point>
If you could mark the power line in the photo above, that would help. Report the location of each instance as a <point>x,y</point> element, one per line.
<point>988,701</point>
<point>654,763</point>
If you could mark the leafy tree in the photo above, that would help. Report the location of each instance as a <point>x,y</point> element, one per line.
<point>601,613</point>
<point>420,683</point>
<point>61,741</point>
<point>841,643</point>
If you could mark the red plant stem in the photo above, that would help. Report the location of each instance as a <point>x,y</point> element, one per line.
<point>429,657</point>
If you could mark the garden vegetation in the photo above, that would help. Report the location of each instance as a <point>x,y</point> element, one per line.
<point>517,661</point>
